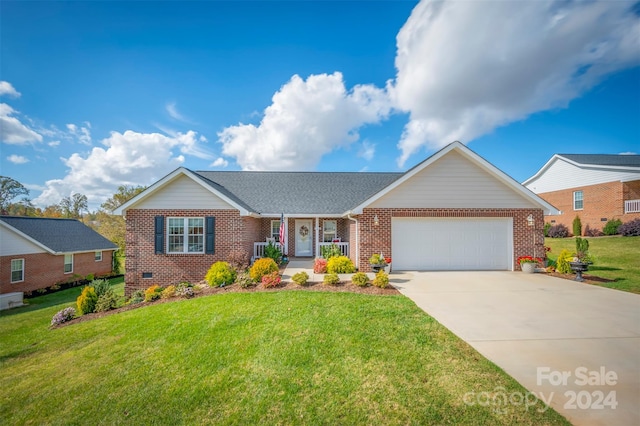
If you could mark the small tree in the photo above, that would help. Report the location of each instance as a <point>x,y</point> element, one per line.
<point>577,226</point>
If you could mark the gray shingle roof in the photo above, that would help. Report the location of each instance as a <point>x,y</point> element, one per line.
<point>298,192</point>
<point>604,159</point>
<point>60,235</point>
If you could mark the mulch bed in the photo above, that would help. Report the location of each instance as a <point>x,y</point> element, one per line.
<point>589,279</point>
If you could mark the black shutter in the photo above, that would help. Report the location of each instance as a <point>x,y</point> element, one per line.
<point>210,234</point>
<point>159,234</point>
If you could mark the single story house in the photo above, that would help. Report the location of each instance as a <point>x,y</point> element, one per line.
<point>37,252</point>
<point>453,211</point>
<point>596,187</point>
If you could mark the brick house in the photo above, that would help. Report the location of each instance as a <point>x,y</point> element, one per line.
<point>38,252</point>
<point>596,187</point>
<point>452,211</point>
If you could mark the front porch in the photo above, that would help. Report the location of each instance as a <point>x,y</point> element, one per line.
<point>258,248</point>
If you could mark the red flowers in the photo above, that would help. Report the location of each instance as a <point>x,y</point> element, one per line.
<point>528,259</point>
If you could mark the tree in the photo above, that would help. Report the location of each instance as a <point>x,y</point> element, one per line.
<point>74,206</point>
<point>10,189</point>
<point>124,194</point>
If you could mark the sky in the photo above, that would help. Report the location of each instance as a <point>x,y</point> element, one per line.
<point>94,95</point>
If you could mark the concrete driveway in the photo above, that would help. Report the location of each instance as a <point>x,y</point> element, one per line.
<point>575,346</point>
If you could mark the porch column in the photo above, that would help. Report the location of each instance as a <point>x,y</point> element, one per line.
<point>317,237</point>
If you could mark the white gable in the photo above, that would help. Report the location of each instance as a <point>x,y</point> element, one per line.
<point>12,243</point>
<point>453,181</point>
<point>183,193</point>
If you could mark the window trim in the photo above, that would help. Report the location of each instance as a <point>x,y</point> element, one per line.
<point>65,263</point>
<point>581,200</point>
<point>275,235</point>
<point>98,256</point>
<point>334,233</point>
<point>185,235</point>
<point>21,260</point>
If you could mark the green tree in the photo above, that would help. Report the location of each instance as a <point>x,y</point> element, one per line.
<point>74,205</point>
<point>9,190</point>
<point>124,194</point>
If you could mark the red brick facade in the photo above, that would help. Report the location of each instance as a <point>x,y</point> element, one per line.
<point>42,270</point>
<point>601,203</point>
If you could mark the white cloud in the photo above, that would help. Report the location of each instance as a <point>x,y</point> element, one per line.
<point>173,112</point>
<point>306,120</point>
<point>128,158</point>
<point>465,68</point>
<point>7,89</point>
<point>367,150</point>
<point>12,131</point>
<point>220,162</point>
<point>54,143</point>
<point>82,133</point>
<point>628,153</point>
<point>17,159</point>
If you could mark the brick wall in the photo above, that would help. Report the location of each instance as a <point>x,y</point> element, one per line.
<point>43,270</point>
<point>377,239</point>
<point>603,201</point>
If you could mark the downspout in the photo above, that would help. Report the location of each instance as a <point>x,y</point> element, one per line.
<point>357,239</point>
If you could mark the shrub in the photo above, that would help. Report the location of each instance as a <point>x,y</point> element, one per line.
<point>185,289</point>
<point>67,314</point>
<point>630,229</point>
<point>331,279</point>
<point>577,226</point>
<point>168,292</point>
<point>591,232</point>
<point>360,279</point>
<point>300,278</point>
<point>220,274</point>
<point>136,297</point>
<point>562,264</point>
<point>239,259</point>
<point>273,251</point>
<point>152,293</point>
<point>330,251</point>
<point>100,286</point>
<point>320,266</point>
<point>381,280</point>
<point>547,226</point>
<point>558,231</point>
<point>262,267</point>
<point>271,280</point>
<point>90,277</point>
<point>376,259</point>
<point>340,265</point>
<point>611,228</point>
<point>87,300</point>
<point>244,280</point>
<point>107,301</point>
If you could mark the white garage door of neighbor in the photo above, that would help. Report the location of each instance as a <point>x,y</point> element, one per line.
<point>440,244</point>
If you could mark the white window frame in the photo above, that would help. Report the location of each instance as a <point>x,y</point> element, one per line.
<point>185,235</point>
<point>67,256</point>
<point>333,234</point>
<point>98,256</point>
<point>576,199</point>
<point>16,270</point>
<point>275,231</point>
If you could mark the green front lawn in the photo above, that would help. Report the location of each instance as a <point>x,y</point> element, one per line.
<point>616,258</point>
<point>277,358</point>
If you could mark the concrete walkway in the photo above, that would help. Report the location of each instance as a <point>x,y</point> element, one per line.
<point>571,344</point>
<point>299,265</point>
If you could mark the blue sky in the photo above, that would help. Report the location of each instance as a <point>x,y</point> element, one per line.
<point>99,94</point>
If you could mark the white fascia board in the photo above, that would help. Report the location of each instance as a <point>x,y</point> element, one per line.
<point>302,215</point>
<point>543,169</point>
<point>26,237</point>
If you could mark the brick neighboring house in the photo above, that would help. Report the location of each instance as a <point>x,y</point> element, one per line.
<point>38,252</point>
<point>596,187</point>
<point>452,211</point>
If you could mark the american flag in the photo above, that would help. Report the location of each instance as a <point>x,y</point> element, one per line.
<point>282,231</point>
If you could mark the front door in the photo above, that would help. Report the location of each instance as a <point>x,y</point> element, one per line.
<point>304,237</point>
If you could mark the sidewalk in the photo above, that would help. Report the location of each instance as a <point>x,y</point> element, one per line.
<point>306,265</point>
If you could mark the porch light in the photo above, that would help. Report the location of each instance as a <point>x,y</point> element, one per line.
<point>530,220</point>
<point>376,221</point>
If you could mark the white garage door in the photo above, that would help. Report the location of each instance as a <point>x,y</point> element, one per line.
<point>451,244</point>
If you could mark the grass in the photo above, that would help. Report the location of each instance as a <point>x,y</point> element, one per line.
<point>616,258</point>
<point>276,358</point>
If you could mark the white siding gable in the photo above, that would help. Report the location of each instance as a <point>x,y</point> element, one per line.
<point>564,175</point>
<point>453,182</point>
<point>12,244</point>
<point>183,193</point>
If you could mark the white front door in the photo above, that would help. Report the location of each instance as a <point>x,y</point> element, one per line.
<point>304,237</point>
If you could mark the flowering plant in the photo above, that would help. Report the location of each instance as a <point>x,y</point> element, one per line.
<point>67,314</point>
<point>528,259</point>
<point>387,259</point>
<point>377,259</point>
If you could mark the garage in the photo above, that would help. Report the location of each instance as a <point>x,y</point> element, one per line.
<point>432,244</point>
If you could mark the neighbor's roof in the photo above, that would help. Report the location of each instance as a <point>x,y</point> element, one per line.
<point>58,235</point>
<point>604,159</point>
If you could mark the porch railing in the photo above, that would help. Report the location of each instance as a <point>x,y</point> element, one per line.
<point>632,206</point>
<point>344,247</point>
<point>258,249</point>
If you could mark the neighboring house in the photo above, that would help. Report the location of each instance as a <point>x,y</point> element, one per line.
<point>452,211</point>
<point>596,187</point>
<point>38,252</point>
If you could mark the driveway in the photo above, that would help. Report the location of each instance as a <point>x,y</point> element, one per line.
<point>575,346</point>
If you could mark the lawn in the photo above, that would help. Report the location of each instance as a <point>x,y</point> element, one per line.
<point>616,258</point>
<point>289,357</point>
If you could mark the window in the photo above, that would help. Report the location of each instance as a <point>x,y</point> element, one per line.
<point>185,235</point>
<point>275,230</point>
<point>68,263</point>
<point>578,202</point>
<point>17,270</point>
<point>328,230</point>
<point>98,256</point>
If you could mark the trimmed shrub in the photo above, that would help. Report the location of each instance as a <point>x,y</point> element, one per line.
<point>562,264</point>
<point>100,286</point>
<point>107,301</point>
<point>87,300</point>
<point>300,278</point>
<point>152,293</point>
<point>547,226</point>
<point>591,232</point>
<point>273,251</point>
<point>330,251</point>
<point>185,289</point>
<point>577,226</point>
<point>360,279</point>
<point>331,279</point>
<point>340,265</point>
<point>381,280</point>
<point>630,229</point>
<point>558,231</point>
<point>244,280</point>
<point>67,314</point>
<point>262,267</point>
<point>611,228</point>
<point>90,277</point>
<point>239,259</point>
<point>320,266</point>
<point>136,297</point>
<point>271,280</point>
<point>220,274</point>
<point>168,292</point>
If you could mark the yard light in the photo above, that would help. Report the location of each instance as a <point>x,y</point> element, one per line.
<point>530,220</point>
<point>376,221</point>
